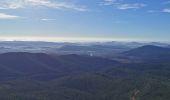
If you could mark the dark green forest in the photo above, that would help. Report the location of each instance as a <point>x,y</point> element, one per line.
<point>39,76</point>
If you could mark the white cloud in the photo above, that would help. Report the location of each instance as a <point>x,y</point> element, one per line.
<point>47,19</point>
<point>6,16</point>
<point>130,6</point>
<point>15,4</point>
<point>108,2</point>
<point>122,6</point>
<point>167,10</point>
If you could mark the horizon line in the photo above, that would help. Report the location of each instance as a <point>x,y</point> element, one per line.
<point>74,39</point>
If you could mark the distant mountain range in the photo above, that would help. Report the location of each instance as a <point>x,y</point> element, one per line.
<point>41,76</point>
<point>148,51</point>
<point>15,64</point>
<point>97,48</point>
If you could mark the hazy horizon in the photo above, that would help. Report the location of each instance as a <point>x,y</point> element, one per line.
<point>76,39</point>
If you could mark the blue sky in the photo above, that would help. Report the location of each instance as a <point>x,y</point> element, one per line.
<point>134,20</point>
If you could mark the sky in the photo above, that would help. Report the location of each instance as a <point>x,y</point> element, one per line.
<point>53,20</point>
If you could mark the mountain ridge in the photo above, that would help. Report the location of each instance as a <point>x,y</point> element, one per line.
<point>148,51</point>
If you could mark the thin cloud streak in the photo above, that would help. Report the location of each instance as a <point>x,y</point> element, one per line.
<point>166,10</point>
<point>47,19</point>
<point>118,4</point>
<point>6,16</point>
<point>16,4</point>
<point>130,6</point>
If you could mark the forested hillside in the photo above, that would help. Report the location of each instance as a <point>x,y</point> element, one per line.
<point>39,76</point>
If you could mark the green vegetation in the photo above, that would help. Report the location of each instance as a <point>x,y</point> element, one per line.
<point>28,76</point>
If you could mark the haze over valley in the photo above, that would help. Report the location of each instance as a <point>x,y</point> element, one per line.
<point>84,50</point>
<point>84,71</point>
